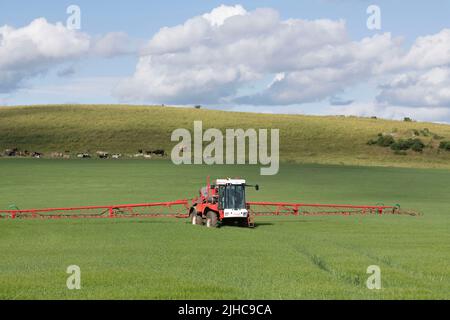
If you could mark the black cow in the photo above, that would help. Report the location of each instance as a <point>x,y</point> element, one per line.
<point>11,152</point>
<point>158,152</point>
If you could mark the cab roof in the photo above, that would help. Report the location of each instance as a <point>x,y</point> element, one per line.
<point>230,181</point>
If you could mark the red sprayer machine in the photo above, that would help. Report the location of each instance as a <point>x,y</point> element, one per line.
<point>223,202</point>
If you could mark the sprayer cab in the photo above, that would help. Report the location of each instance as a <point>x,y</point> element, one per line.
<point>223,201</point>
<point>231,198</point>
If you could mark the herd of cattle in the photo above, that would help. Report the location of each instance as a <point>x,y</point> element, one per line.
<point>18,153</point>
<point>15,152</point>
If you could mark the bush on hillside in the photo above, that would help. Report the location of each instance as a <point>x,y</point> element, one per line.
<point>385,141</point>
<point>445,145</point>
<point>402,145</point>
<point>382,140</point>
<point>417,146</point>
<point>425,132</point>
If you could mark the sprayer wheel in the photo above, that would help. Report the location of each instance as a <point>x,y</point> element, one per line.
<point>195,218</point>
<point>211,219</point>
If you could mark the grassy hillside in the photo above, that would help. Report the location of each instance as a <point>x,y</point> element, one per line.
<point>125,129</point>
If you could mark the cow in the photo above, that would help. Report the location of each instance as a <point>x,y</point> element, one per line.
<point>158,152</point>
<point>83,155</point>
<point>36,155</point>
<point>102,154</point>
<point>116,156</point>
<point>11,152</point>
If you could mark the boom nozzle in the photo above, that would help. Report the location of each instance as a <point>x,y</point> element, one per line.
<point>256,186</point>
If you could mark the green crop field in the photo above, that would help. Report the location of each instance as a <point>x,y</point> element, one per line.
<point>282,258</point>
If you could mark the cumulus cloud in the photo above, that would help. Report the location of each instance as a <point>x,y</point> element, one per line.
<point>231,56</point>
<point>28,51</point>
<point>427,52</point>
<point>426,89</point>
<point>218,15</point>
<point>209,57</point>
<point>420,77</point>
<point>329,70</point>
<point>214,57</point>
<point>37,47</point>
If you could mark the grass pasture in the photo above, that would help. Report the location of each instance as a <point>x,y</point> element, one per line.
<point>126,129</point>
<point>282,258</point>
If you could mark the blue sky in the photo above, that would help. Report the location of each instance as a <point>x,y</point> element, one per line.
<point>144,18</point>
<point>93,78</point>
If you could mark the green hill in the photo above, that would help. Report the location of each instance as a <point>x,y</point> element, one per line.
<point>126,129</point>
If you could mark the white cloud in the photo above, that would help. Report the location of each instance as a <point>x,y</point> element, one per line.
<point>209,57</point>
<point>212,58</point>
<point>33,49</point>
<point>329,70</point>
<point>221,56</point>
<point>422,75</point>
<point>428,51</point>
<point>419,89</point>
<point>39,46</point>
<point>218,15</point>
